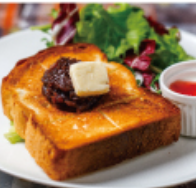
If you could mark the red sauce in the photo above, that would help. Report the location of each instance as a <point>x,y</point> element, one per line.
<point>184,87</point>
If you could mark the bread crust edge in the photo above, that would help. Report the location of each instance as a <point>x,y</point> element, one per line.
<point>65,164</point>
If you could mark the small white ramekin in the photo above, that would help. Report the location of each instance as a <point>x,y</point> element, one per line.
<point>181,71</point>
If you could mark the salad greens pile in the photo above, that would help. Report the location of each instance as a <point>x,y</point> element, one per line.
<point>124,34</point>
<point>122,28</point>
<point>113,30</point>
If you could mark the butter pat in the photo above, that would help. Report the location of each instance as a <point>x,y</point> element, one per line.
<point>89,78</point>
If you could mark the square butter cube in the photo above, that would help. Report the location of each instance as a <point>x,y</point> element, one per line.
<point>89,78</point>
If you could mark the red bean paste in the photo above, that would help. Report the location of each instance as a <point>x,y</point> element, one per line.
<point>58,88</point>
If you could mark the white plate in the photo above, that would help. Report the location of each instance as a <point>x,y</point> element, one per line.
<point>167,166</point>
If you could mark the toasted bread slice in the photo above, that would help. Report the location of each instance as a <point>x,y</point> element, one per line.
<point>128,121</point>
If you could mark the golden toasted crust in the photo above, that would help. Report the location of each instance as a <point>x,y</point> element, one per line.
<point>128,121</point>
<point>63,164</point>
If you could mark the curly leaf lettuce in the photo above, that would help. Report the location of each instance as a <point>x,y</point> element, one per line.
<point>142,61</point>
<point>137,34</point>
<point>113,30</point>
<point>168,51</point>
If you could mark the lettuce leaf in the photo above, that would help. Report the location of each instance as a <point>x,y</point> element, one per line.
<point>142,61</point>
<point>158,27</point>
<point>12,136</point>
<point>115,30</point>
<point>138,29</point>
<point>168,50</point>
<point>64,26</point>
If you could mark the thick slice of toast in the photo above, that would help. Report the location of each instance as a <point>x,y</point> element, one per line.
<point>128,121</point>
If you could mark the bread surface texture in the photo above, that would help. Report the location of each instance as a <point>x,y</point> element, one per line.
<point>127,122</point>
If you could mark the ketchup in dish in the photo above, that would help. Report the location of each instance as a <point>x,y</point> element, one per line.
<point>184,87</point>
